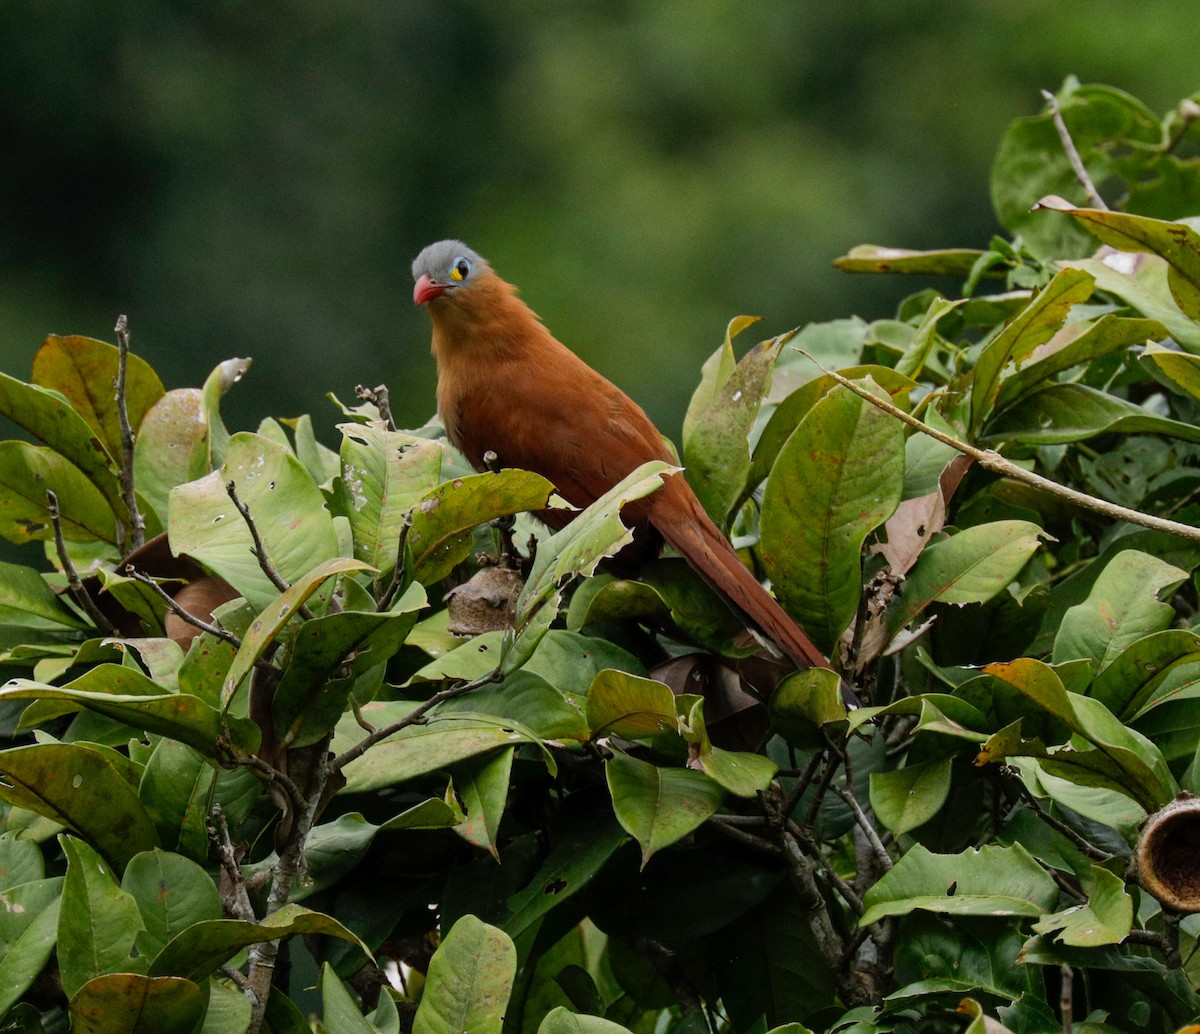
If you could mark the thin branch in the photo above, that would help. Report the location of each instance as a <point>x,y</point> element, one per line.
<point>393,588</point>
<point>826,778</point>
<point>735,831</point>
<point>218,833</point>
<point>270,774</point>
<point>993,461</point>
<point>1064,134</point>
<point>378,397</point>
<point>128,492</point>
<point>260,551</point>
<point>236,975</point>
<point>1084,845</point>
<point>182,613</point>
<point>864,823</point>
<point>414,717</point>
<point>1066,998</point>
<point>813,850</point>
<point>74,582</point>
<point>802,784</point>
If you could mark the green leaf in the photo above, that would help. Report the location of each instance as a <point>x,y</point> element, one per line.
<point>527,699</point>
<point>1142,284</point>
<point>561,1020</point>
<point>1064,413</point>
<point>26,473</point>
<point>308,700</point>
<point>1077,343</point>
<point>469,982</point>
<point>1107,917</point>
<point>418,749</point>
<point>172,447</point>
<point>483,785</point>
<point>715,374</point>
<point>970,566</point>
<point>338,1009</point>
<point>29,604</point>
<point>83,788</point>
<point>837,479</point>
<point>127,696</point>
<point>287,506</point>
<point>1122,607</point>
<point>796,406</point>
<point>1104,124</point>
<point>98,921</point>
<point>716,450</point>
<point>1177,243</point>
<point>1036,324</point>
<point>580,850</point>
<point>741,773</point>
<point>595,533</point>
<point>384,473</point>
<point>986,881</point>
<point>443,520</point>
<point>216,386</point>
<point>1179,369</point>
<point>908,797</point>
<point>172,893</point>
<point>1147,778</point>
<point>85,371</point>
<point>1129,681</point>
<point>804,702</point>
<point>274,616</point>
<point>197,952</point>
<point>25,954</point>
<point>874,258</point>
<point>134,1004</point>
<point>658,806</point>
<point>176,791</point>
<point>629,706</point>
<point>20,862</point>
<point>46,416</point>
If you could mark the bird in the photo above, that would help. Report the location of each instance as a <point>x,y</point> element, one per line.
<point>507,386</point>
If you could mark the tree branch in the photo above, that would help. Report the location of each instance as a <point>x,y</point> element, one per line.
<point>78,593</point>
<point>128,490</point>
<point>993,461</point>
<point>1077,166</point>
<point>414,717</point>
<point>260,551</point>
<point>181,612</point>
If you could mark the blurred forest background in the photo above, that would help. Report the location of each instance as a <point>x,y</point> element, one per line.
<point>255,178</point>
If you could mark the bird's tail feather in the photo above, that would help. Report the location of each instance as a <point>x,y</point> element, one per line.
<point>682,522</point>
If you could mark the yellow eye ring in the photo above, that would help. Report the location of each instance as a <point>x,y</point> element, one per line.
<point>460,270</point>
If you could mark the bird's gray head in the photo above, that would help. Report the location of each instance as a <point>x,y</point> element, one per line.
<point>442,267</point>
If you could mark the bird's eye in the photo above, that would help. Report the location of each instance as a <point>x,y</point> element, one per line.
<point>460,270</point>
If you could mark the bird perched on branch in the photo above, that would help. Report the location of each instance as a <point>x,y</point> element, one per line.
<point>506,385</point>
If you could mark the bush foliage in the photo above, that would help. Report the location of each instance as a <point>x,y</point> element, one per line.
<point>275,780</point>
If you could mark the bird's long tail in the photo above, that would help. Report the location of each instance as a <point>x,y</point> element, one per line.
<point>679,517</point>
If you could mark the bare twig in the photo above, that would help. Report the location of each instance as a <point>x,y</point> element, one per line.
<point>1077,166</point>
<point>1084,845</point>
<point>378,397</point>
<point>813,850</point>
<point>415,717</point>
<point>74,582</point>
<point>261,957</point>
<point>736,831</point>
<point>393,588</point>
<point>218,833</point>
<point>993,461</point>
<point>865,824</point>
<point>260,551</point>
<point>236,975</point>
<point>822,789</point>
<point>803,782</point>
<point>181,612</point>
<point>272,775</point>
<point>128,492</point>
<point>1066,998</point>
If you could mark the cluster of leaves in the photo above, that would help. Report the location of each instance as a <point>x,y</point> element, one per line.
<point>269,730</point>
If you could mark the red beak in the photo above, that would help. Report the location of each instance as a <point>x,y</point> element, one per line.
<point>425,289</point>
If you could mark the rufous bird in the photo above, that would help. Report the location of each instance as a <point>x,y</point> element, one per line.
<point>507,386</point>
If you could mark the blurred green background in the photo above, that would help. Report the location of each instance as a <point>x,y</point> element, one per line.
<point>255,178</point>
